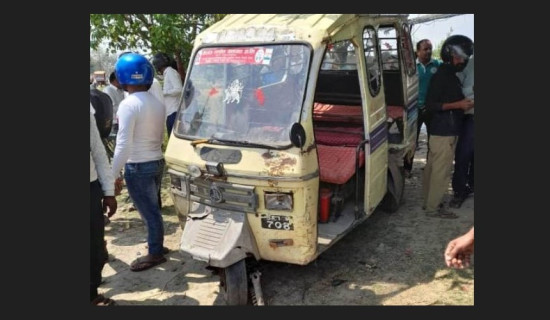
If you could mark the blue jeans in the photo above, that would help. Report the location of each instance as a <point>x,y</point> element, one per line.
<point>143,181</point>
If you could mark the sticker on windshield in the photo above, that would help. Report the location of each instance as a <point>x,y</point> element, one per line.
<point>233,92</point>
<point>260,97</point>
<point>259,57</point>
<point>213,92</point>
<point>234,55</point>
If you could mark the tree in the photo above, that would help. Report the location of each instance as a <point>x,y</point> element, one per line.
<point>102,59</point>
<point>151,33</point>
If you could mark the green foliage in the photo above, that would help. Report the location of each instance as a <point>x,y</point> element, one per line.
<point>102,59</point>
<point>150,33</point>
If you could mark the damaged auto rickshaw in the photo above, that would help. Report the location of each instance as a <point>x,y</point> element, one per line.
<point>291,131</point>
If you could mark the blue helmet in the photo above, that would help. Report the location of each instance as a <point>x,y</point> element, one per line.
<point>134,69</point>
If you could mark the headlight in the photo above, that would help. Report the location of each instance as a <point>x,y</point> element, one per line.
<point>175,181</point>
<point>278,201</point>
<point>178,184</point>
<point>194,171</point>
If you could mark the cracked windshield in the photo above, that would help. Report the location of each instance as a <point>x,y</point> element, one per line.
<point>247,94</point>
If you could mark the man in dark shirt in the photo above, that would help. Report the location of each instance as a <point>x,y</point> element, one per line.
<point>447,104</point>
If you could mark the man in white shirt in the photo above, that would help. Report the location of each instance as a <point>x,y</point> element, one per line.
<point>115,92</point>
<point>172,87</point>
<point>102,197</point>
<point>139,150</point>
<point>156,90</point>
<point>463,175</point>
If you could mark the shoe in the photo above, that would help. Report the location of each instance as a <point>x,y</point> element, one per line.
<point>456,201</point>
<point>146,262</point>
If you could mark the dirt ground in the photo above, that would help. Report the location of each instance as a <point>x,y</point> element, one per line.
<point>391,259</point>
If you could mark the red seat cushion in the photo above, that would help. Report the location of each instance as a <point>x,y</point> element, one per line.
<point>394,112</point>
<point>337,113</point>
<point>337,164</point>
<point>339,136</point>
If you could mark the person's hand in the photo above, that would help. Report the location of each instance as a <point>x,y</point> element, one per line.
<point>458,251</point>
<point>467,104</point>
<point>119,183</point>
<point>109,202</point>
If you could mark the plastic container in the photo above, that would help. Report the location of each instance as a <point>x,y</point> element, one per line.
<point>324,213</point>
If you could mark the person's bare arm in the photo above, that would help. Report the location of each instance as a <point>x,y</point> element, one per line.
<point>463,104</point>
<point>459,250</point>
<point>110,203</point>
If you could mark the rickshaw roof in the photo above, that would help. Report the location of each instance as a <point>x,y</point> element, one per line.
<point>281,27</point>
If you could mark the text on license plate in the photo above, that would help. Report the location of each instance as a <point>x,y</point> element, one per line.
<point>277,222</point>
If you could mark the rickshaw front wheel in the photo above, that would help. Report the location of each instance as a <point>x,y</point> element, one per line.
<point>234,283</point>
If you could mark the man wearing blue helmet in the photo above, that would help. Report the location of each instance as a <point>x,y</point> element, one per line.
<point>138,149</point>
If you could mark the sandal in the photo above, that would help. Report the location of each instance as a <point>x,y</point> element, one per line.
<point>146,262</point>
<point>100,300</point>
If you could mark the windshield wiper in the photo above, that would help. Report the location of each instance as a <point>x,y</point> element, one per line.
<point>232,143</point>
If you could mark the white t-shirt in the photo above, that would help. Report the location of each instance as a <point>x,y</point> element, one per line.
<point>141,119</point>
<point>171,90</point>
<point>467,79</point>
<point>99,163</point>
<point>156,90</point>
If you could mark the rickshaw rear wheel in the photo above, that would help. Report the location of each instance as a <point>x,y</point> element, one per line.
<point>234,283</point>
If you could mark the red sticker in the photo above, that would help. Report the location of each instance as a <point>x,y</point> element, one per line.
<point>213,91</point>
<point>233,55</point>
<point>260,96</point>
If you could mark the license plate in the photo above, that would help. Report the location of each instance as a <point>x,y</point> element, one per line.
<point>277,222</point>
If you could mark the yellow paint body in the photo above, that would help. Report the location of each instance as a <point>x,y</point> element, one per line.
<point>293,170</point>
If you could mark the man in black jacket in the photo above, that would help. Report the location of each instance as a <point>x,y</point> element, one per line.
<point>447,103</point>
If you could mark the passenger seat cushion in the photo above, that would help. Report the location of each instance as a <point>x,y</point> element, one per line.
<point>339,136</point>
<point>337,113</point>
<point>337,164</point>
<point>394,112</point>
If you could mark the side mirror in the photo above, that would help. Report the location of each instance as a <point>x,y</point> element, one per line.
<point>297,135</point>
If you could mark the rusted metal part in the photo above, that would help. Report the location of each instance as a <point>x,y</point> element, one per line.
<point>277,166</point>
<point>275,243</point>
<point>273,183</point>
